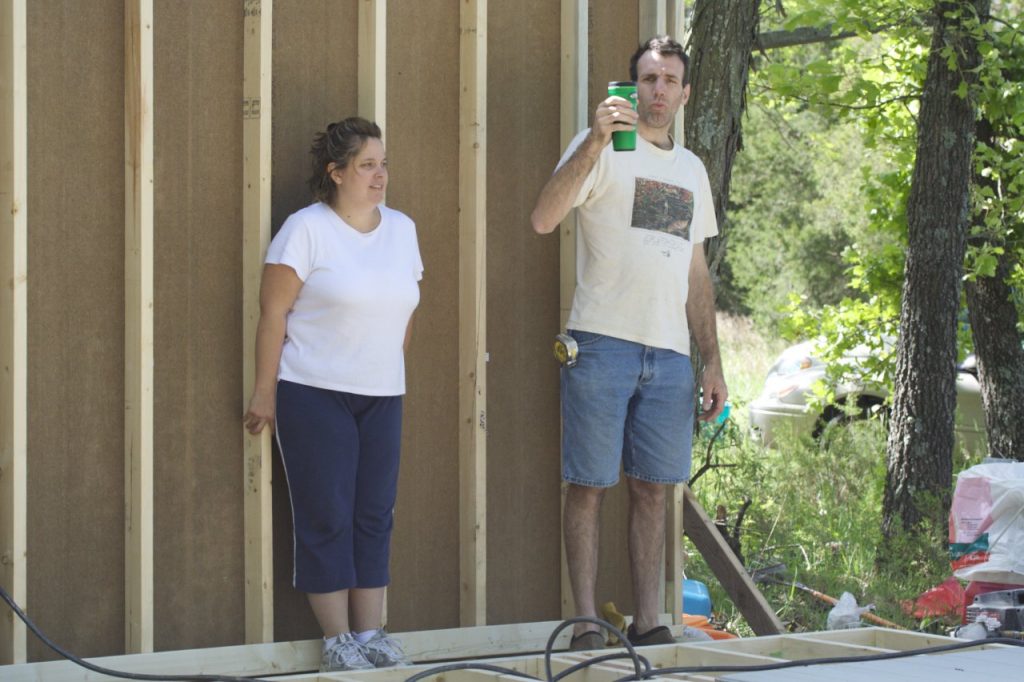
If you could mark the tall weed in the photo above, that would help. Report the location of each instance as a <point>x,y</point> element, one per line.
<point>814,516</point>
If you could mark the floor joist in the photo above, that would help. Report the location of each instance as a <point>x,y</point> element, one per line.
<point>529,640</point>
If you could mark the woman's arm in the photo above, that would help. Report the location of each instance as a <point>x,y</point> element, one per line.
<point>278,290</point>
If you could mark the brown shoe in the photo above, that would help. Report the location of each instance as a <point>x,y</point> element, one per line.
<point>587,641</point>
<point>659,635</point>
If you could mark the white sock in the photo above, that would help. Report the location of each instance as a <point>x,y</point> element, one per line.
<point>364,637</point>
<point>331,641</point>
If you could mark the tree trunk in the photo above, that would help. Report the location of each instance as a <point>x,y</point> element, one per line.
<point>920,446</point>
<point>1000,361</point>
<point>721,39</point>
<point>997,343</point>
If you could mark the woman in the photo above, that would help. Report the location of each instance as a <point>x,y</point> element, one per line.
<point>339,287</point>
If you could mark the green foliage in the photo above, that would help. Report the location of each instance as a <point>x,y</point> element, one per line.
<point>793,212</point>
<point>816,511</point>
<point>815,508</point>
<point>863,93</point>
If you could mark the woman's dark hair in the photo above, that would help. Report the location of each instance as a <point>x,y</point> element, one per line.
<point>662,45</point>
<point>339,144</point>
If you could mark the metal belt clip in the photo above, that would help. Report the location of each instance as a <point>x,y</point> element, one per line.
<point>566,350</point>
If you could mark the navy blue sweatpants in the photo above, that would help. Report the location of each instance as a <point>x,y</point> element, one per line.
<point>340,454</point>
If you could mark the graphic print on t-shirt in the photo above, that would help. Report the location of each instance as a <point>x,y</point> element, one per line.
<point>662,207</point>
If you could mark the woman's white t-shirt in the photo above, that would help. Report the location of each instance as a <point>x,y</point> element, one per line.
<point>347,326</point>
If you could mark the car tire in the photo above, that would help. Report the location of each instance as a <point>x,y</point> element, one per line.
<point>836,417</point>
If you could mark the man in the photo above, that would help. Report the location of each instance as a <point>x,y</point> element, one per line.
<point>642,288</point>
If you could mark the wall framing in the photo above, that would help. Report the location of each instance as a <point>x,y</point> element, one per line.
<point>373,54</point>
<point>138,325</point>
<point>194,240</point>
<point>256,168</point>
<point>575,116</point>
<point>13,322</point>
<point>473,313</point>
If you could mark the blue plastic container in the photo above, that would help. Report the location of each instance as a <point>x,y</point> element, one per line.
<point>696,598</point>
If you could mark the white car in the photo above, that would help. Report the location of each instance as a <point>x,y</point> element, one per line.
<point>784,404</point>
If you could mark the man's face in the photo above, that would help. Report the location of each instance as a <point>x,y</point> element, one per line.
<point>660,90</point>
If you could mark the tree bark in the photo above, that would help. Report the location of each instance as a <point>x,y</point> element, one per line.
<point>920,445</point>
<point>721,40</point>
<point>997,343</point>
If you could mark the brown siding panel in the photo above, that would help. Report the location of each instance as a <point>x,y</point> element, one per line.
<point>422,144</point>
<point>76,325</point>
<point>197,444</point>
<point>523,465</point>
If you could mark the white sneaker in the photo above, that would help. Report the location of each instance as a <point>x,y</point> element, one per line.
<point>384,651</point>
<point>344,652</point>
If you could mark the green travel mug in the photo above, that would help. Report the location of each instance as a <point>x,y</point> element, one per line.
<point>624,140</point>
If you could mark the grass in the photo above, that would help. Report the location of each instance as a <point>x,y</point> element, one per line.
<point>814,516</point>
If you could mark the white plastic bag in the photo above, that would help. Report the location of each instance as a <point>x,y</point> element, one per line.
<point>846,614</point>
<point>986,524</point>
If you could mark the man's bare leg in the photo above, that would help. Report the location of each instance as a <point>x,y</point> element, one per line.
<point>581,528</point>
<point>646,545</point>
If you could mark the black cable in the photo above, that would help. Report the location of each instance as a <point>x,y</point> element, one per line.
<point>640,664</point>
<point>107,671</point>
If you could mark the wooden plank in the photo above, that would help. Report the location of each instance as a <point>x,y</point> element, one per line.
<point>138,325</point>
<point>674,562</point>
<point>574,117</point>
<point>653,19</point>
<point>293,657</point>
<point>522,644</point>
<point>883,638</point>
<point>256,139</point>
<point>373,61</point>
<point>676,22</point>
<point>727,568</point>
<point>575,114</point>
<point>962,665</point>
<point>473,313</point>
<point>13,322</point>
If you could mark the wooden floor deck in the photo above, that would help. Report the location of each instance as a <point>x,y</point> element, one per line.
<point>520,648</point>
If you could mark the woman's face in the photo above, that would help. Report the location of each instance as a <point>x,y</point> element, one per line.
<point>365,178</point>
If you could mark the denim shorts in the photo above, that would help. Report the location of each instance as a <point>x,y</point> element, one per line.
<point>626,403</point>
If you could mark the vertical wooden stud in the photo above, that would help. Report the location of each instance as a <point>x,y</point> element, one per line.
<point>574,79</point>
<point>674,558</point>
<point>13,322</point>
<point>677,29</point>
<point>653,19</point>
<point>372,73</point>
<point>473,313</point>
<point>138,347</point>
<point>373,61</point>
<point>257,504</point>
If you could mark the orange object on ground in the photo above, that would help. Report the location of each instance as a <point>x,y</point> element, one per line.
<point>702,623</point>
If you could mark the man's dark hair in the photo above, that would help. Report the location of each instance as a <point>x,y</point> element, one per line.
<point>662,45</point>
